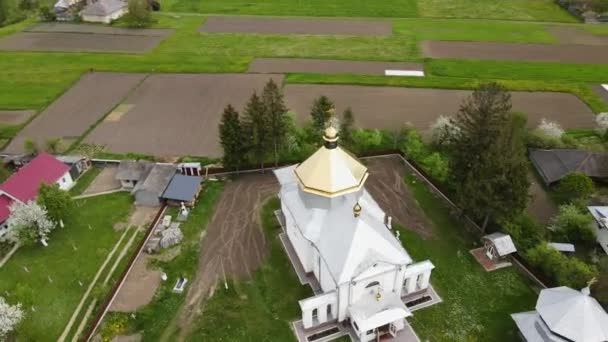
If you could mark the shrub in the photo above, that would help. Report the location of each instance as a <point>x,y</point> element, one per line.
<point>366,139</point>
<point>574,224</point>
<point>526,232</point>
<point>412,145</point>
<point>437,166</point>
<point>139,15</point>
<point>574,186</point>
<point>567,271</point>
<point>46,13</point>
<point>27,5</point>
<point>443,131</point>
<point>550,128</point>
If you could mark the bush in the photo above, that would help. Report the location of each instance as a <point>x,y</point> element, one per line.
<point>444,131</point>
<point>526,232</point>
<point>575,186</point>
<point>412,145</point>
<point>46,13</point>
<point>139,15</point>
<point>566,271</point>
<point>436,166</point>
<point>366,139</point>
<point>573,224</point>
<point>27,5</point>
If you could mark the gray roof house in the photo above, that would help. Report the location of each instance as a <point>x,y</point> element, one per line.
<point>183,189</point>
<point>563,314</point>
<point>104,11</point>
<point>149,191</point>
<point>553,165</point>
<point>131,172</point>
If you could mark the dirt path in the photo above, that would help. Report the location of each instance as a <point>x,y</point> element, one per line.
<point>331,66</point>
<point>385,184</point>
<point>234,242</point>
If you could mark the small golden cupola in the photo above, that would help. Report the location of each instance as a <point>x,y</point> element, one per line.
<point>331,171</point>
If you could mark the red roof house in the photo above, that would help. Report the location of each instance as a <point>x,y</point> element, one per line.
<point>23,185</point>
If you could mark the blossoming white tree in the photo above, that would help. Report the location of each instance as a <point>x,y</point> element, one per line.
<point>602,123</point>
<point>550,128</point>
<point>27,223</point>
<point>443,130</point>
<point>10,316</point>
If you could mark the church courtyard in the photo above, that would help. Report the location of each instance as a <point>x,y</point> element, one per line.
<point>266,304</point>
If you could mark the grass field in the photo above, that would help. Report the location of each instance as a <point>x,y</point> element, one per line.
<point>55,301</point>
<point>476,304</point>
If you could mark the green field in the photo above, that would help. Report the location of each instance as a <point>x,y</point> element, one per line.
<point>91,231</point>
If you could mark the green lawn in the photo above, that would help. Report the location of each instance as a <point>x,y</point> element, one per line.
<point>259,309</point>
<point>476,304</point>
<point>55,301</point>
<point>156,319</point>
<point>319,8</point>
<point>534,10</point>
<point>85,180</point>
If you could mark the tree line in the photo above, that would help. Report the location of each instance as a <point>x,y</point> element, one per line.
<point>266,130</point>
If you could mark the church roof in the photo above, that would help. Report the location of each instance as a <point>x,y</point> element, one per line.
<point>331,171</point>
<point>573,314</point>
<point>348,245</point>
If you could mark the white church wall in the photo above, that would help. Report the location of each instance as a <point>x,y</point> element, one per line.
<point>300,244</point>
<point>327,282</point>
<point>383,281</point>
<point>343,301</point>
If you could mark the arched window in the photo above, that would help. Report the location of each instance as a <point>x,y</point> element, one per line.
<point>372,284</point>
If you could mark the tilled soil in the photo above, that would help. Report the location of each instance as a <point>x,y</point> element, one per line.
<point>296,26</point>
<point>234,243</point>
<point>575,35</point>
<point>385,184</point>
<point>76,41</point>
<point>287,65</point>
<point>392,107</point>
<point>516,51</point>
<point>178,114</point>
<point>96,29</point>
<point>94,95</point>
<point>15,117</point>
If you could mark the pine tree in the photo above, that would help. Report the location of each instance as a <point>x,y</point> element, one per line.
<point>346,127</point>
<point>321,112</point>
<point>231,138</point>
<point>276,113</point>
<point>255,130</point>
<point>488,163</point>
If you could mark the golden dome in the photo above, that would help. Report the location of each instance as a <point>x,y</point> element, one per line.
<point>331,171</point>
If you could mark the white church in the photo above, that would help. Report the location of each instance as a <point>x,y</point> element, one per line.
<point>344,240</point>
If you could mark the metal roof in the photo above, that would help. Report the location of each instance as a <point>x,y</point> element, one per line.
<point>553,165</point>
<point>182,188</point>
<point>103,7</point>
<point>502,242</point>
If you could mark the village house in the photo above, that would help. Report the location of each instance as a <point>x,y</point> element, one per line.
<point>131,172</point>
<point>182,189</point>
<point>149,191</point>
<point>344,243</point>
<point>104,11</point>
<point>553,165</point>
<point>22,186</point>
<point>563,314</point>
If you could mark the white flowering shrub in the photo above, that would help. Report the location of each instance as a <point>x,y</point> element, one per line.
<point>27,223</point>
<point>602,120</point>
<point>550,129</point>
<point>10,316</point>
<point>443,130</point>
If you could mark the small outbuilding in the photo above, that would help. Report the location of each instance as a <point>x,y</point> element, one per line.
<point>553,165</point>
<point>104,11</point>
<point>131,172</point>
<point>78,164</point>
<point>498,245</point>
<point>149,191</point>
<point>182,189</point>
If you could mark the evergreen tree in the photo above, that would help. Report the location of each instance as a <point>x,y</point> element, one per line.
<point>231,138</point>
<point>346,127</point>
<point>58,203</point>
<point>321,112</point>
<point>488,163</point>
<point>255,129</point>
<point>276,113</point>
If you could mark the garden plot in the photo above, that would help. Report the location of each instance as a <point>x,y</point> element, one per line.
<point>328,66</point>
<point>83,37</point>
<point>516,51</point>
<point>94,95</point>
<point>297,26</point>
<point>392,107</point>
<point>576,35</point>
<point>15,117</point>
<point>177,114</point>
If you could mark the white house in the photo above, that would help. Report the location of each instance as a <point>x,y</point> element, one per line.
<point>563,314</point>
<point>104,11</point>
<point>342,238</point>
